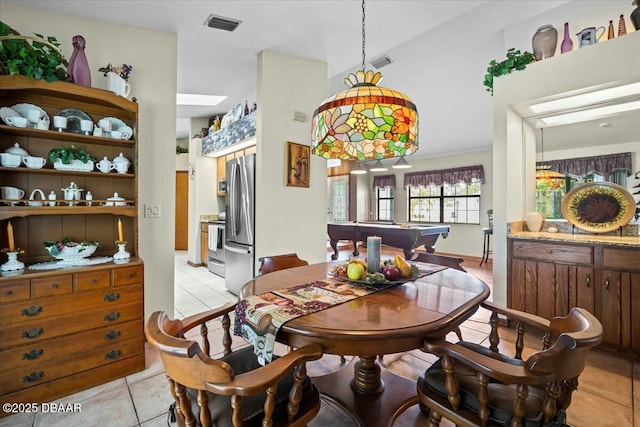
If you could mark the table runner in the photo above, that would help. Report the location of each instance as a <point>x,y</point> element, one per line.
<point>259,317</point>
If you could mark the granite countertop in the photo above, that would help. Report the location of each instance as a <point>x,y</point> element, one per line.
<point>633,241</point>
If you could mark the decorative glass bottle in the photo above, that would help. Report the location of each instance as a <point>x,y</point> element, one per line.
<point>544,42</point>
<point>78,69</point>
<point>611,32</point>
<point>567,43</point>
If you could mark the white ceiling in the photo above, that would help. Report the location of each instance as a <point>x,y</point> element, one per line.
<point>454,110</point>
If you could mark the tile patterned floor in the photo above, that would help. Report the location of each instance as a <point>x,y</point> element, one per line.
<point>608,395</point>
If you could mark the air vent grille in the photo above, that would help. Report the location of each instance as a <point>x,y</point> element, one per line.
<point>381,61</point>
<point>222,23</point>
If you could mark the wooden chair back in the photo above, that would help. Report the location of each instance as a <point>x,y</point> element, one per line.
<point>269,264</point>
<point>449,261</point>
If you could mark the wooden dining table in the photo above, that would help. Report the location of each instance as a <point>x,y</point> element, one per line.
<point>394,320</point>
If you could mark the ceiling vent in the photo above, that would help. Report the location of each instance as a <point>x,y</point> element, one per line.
<point>381,61</point>
<point>222,23</point>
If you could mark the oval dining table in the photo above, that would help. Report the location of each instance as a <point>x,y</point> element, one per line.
<point>393,320</point>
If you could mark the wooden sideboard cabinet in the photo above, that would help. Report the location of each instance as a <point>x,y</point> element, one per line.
<point>70,330</point>
<point>547,278</point>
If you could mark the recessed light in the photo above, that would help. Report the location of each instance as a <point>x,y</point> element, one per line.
<point>195,99</point>
<point>605,125</point>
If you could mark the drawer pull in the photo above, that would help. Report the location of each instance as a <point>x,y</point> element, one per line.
<point>130,276</point>
<point>54,286</point>
<point>549,251</point>
<point>113,296</point>
<point>114,354</point>
<point>607,284</point>
<point>33,354</point>
<point>112,316</point>
<point>33,333</point>
<point>8,293</point>
<point>33,377</point>
<point>112,335</point>
<point>31,311</point>
<point>588,281</point>
<point>94,281</point>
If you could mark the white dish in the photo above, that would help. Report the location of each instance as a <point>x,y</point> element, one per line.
<point>115,123</point>
<point>127,132</point>
<point>7,112</point>
<point>23,109</point>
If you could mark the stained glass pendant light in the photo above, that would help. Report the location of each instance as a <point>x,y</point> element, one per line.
<point>365,122</point>
<point>544,171</point>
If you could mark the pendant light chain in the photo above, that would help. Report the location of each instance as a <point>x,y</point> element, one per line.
<point>363,69</point>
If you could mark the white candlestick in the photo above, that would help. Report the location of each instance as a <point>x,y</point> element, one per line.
<point>374,244</point>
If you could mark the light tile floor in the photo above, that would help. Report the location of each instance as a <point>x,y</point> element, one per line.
<point>608,395</point>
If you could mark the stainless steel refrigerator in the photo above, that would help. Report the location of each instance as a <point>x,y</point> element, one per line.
<point>239,231</point>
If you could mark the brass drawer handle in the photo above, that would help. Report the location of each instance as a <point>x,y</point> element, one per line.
<point>112,316</point>
<point>33,354</point>
<point>588,281</point>
<point>130,276</point>
<point>112,335</point>
<point>33,377</point>
<point>54,286</point>
<point>32,333</point>
<point>114,354</point>
<point>8,293</point>
<point>607,284</point>
<point>31,311</point>
<point>113,296</point>
<point>94,281</point>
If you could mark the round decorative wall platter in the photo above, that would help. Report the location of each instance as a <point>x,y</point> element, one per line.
<point>598,207</point>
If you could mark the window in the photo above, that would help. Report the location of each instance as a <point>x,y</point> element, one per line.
<point>384,203</point>
<point>447,203</point>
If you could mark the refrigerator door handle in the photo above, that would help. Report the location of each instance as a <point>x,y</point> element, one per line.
<point>239,250</point>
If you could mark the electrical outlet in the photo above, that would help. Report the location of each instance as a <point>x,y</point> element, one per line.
<point>152,211</point>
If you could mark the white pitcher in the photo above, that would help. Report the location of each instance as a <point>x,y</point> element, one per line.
<point>118,85</point>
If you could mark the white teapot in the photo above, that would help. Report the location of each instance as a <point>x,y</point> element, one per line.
<point>104,165</point>
<point>121,164</point>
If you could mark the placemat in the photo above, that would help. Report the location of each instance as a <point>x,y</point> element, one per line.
<point>259,317</point>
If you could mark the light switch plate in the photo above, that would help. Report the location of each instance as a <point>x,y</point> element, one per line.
<point>151,211</point>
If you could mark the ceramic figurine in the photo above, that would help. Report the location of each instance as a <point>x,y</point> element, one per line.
<point>78,69</point>
<point>622,26</point>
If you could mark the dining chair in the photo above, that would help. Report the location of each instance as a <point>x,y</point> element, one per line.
<point>472,385</point>
<point>233,389</point>
<point>449,261</point>
<point>272,263</point>
<point>487,232</point>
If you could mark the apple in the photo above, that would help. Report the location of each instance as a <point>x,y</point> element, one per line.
<point>355,271</point>
<point>391,273</point>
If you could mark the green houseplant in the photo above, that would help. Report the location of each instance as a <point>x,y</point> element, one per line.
<point>516,60</point>
<point>68,154</point>
<point>40,59</point>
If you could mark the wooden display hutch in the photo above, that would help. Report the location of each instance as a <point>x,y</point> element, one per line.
<point>65,330</point>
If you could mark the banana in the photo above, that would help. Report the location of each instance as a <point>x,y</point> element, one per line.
<point>358,261</point>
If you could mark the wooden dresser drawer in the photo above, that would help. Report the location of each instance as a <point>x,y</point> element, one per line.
<point>127,275</point>
<point>57,285</point>
<point>14,291</point>
<point>42,329</point>
<point>624,259</point>
<point>21,378</point>
<point>43,351</point>
<point>39,308</point>
<point>553,252</point>
<point>92,280</point>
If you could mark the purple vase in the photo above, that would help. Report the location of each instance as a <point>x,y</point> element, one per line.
<point>78,69</point>
<point>567,43</point>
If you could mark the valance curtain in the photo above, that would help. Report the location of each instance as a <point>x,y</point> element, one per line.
<point>467,174</point>
<point>602,165</point>
<point>382,181</point>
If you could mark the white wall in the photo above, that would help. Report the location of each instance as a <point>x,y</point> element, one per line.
<point>464,239</point>
<point>153,55</point>
<point>291,219</point>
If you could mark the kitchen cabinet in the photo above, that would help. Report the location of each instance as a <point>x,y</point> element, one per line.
<point>548,278</point>
<point>62,331</point>
<point>222,165</point>
<point>204,243</point>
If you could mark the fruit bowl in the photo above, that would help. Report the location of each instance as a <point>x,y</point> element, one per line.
<point>71,252</point>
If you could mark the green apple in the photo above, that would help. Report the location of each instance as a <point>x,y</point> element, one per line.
<point>355,271</point>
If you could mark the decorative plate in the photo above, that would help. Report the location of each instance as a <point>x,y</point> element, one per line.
<point>73,119</point>
<point>598,207</point>
<point>23,109</point>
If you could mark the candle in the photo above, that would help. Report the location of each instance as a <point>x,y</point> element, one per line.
<point>120,233</point>
<point>12,245</point>
<point>374,244</point>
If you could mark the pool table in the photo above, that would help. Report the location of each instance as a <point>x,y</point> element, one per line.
<point>406,238</point>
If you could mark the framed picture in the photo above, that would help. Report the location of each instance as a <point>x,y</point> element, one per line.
<point>297,165</point>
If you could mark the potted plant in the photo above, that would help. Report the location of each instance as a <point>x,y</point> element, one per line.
<point>40,59</point>
<point>71,158</point>
<point>516,60</point>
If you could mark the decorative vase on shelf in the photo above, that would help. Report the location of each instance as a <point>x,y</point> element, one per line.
<point>78,69</point>
<point>117,84</point>
<point>611,32</point>
<point>534,221</point>
<point>544,42</point>
<point>567,43</point>
<point>622,26</point>
<point>635,15</point>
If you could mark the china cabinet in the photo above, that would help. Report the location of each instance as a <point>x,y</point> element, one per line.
<point>65,330</point>
<point>547,278</point>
